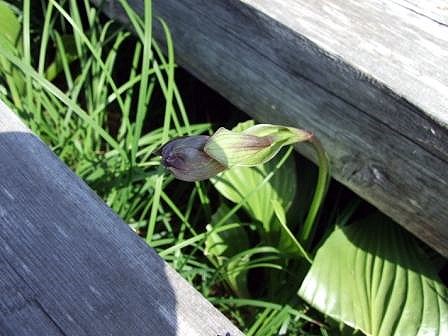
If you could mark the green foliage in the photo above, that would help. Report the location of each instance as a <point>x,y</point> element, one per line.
<point>9,25</point>
<point>225,248</point>
<point>373,276</point>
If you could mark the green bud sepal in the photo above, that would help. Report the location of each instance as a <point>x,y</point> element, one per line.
<point>253,146</point>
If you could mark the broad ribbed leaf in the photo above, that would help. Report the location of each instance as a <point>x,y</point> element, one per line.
<point>241,183</point>
<point>287,242</point>
<point>373,276</point>
<point>221,247</point>
<point>9,24</point>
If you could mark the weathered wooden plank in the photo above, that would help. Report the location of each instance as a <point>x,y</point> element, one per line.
<point>436,10</point>
<point>70,266</point>
<point>368,77</point>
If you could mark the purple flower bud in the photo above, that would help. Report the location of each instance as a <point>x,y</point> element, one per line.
<point>186,159</point>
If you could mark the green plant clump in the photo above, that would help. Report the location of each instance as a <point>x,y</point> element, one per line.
<point>250,239</point>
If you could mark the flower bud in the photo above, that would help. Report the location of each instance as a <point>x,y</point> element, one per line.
<point>186,159</point>
<point>200,157</point>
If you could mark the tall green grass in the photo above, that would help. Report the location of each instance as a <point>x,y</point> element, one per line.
<point>68,94</point>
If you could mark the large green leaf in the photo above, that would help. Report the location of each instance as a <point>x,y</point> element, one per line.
<point>10,26</point>
<point>243,183</point>
<point>225,249</point>
<point>373,276</point>
<point>288,242</point>
<point>10,40</point>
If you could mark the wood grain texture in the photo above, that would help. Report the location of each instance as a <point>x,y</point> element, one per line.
<point>370,78</point>
<point>436,10</point>
<point>70,266</point>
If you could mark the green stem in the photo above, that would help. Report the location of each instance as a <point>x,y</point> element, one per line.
<point>307,233</point>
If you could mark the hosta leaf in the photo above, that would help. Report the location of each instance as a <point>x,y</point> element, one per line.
<point>221,247</point>
<point>287,242</point>
<point>240,183</point>
<point>10,26</point>
<point>373,276</point>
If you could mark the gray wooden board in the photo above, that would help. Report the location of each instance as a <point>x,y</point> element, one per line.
<point>70,266</point>
<point>369,78</point>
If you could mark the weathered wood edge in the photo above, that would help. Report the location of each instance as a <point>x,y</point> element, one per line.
<point>382,145</point>
<point>70,266</point>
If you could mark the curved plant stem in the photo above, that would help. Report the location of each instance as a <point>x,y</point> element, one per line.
<point>323,179</point>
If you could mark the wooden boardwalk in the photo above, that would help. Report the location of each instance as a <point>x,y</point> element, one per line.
<point>370,78</point>
<point>70,266</point>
